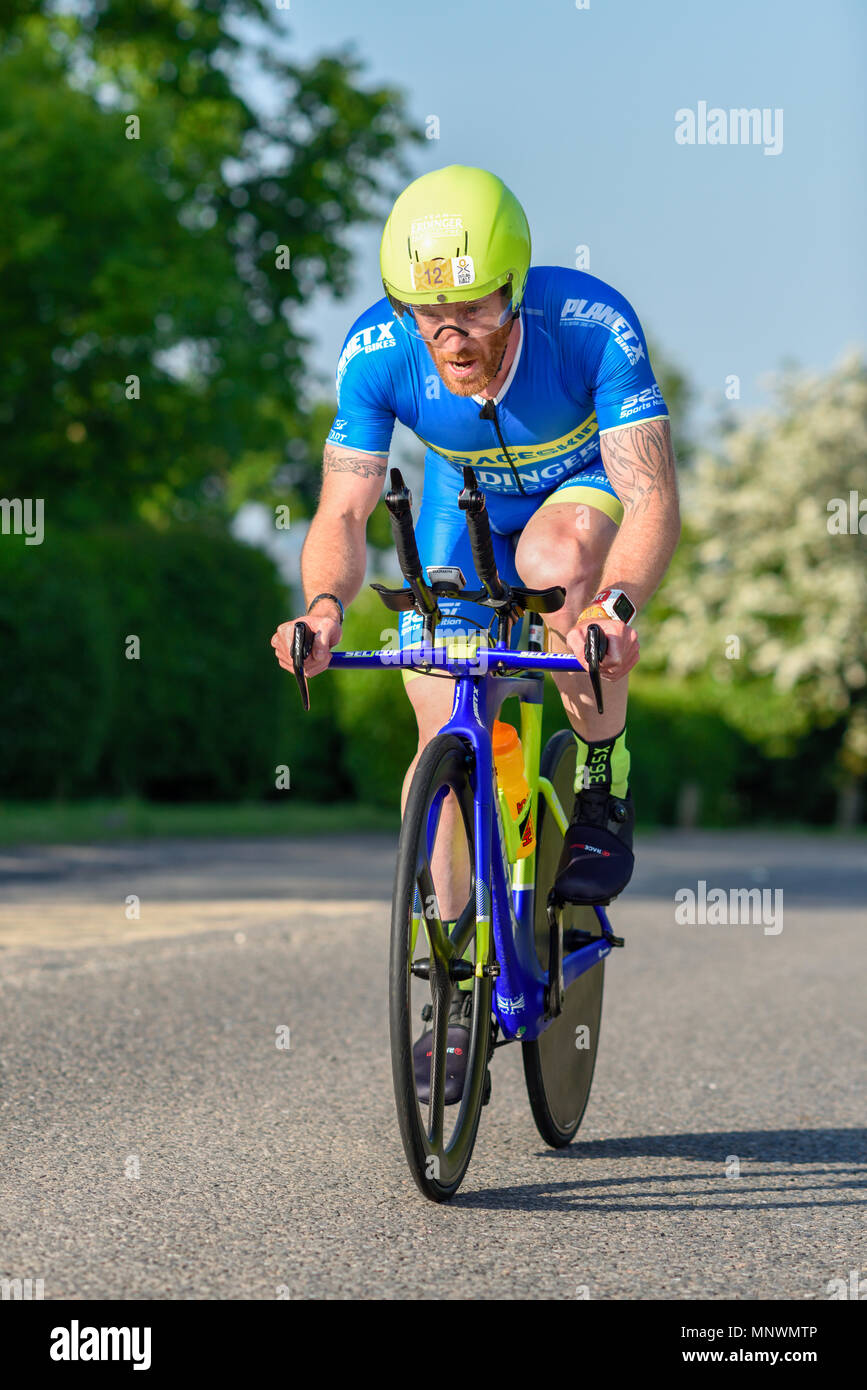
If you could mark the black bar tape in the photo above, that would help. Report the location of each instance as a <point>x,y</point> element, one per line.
<point>483,551</point>
<point>398,500</point>
<point>404,543</point>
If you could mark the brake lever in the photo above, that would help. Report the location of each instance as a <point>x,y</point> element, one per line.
<point>594,653</point>
<point>302,646</point>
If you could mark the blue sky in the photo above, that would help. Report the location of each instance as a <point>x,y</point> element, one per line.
<point>736,261</point>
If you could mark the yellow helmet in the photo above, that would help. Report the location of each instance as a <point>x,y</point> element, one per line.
<point>454,235</point>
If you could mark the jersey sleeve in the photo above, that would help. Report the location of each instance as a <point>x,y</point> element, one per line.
<point>607,350</point>
<point>365,412</point>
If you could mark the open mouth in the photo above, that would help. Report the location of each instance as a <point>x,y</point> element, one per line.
<point>463,368</point>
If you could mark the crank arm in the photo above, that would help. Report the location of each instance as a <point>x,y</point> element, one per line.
<point>556,988</point>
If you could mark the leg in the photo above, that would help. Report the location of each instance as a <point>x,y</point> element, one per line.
<point>442,539</point>
<point>431,698</point>
<point>597,858</point>
<point>554,550</point>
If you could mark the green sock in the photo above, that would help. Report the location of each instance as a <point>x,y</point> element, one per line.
<point>604,763</point>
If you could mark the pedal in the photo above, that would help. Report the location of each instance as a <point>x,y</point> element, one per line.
<point>574,939</point>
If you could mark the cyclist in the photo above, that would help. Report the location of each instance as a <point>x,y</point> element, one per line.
<point>549,395</point>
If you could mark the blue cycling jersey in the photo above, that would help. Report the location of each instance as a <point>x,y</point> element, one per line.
<point>581,368</point>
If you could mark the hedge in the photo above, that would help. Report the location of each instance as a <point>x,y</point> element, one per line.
<point>204,711</point>
<point>56,672</point>
<point>678,734</point>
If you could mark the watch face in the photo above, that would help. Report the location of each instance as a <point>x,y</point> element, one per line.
<point>624,608</point>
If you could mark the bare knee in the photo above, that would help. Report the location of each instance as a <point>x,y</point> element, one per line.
<point>431,699</point>
<point>566,562</point>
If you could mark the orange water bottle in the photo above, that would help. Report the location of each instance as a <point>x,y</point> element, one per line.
<point>509,762</point>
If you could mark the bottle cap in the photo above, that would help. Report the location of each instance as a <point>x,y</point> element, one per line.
<point>504,737</point>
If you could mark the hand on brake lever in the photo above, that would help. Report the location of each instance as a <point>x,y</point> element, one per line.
<point>594,654</point>
<point>622,653</point>
<point>326,634</point>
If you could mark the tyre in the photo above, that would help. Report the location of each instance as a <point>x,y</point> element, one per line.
<point>425,959</point>
<point>558,1066</point>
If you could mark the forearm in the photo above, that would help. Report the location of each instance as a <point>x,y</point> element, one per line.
<point>639,461</point>
<point>642,551</point>
<point>334,556</point>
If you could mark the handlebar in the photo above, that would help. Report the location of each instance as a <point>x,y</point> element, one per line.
<point>594,652</point>
<point>471,501</point>
<point>398,500</point>
<point>508,601</point>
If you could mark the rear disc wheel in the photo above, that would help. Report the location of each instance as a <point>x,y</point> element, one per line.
<point>558,1065</point>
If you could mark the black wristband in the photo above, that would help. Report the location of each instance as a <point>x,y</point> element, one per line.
<point>334,599</point>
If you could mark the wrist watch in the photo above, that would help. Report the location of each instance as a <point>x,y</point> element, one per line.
<point>614,603</point>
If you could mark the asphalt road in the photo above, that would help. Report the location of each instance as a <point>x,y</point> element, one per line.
<point>157,1143</point>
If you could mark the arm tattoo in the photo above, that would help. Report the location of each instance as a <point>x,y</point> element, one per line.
<point>639,461</point>
<point>365,465</point>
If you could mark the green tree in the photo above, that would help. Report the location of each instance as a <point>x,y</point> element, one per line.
<point>158,233</point>
<point>769,594</point>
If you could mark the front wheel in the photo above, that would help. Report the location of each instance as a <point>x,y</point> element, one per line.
<point>427,957</point>
<point>558,1065</point>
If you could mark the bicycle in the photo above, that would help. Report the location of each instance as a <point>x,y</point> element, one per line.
<point>536,964</point>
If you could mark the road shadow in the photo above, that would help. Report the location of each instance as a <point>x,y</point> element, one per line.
<point>800,1150</point>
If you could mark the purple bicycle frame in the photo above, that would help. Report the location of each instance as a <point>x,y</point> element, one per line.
<point>520,988</point>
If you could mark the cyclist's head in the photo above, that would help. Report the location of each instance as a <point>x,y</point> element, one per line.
<point>455,254</point>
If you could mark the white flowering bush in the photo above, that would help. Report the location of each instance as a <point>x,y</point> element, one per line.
<point>770,590</point>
